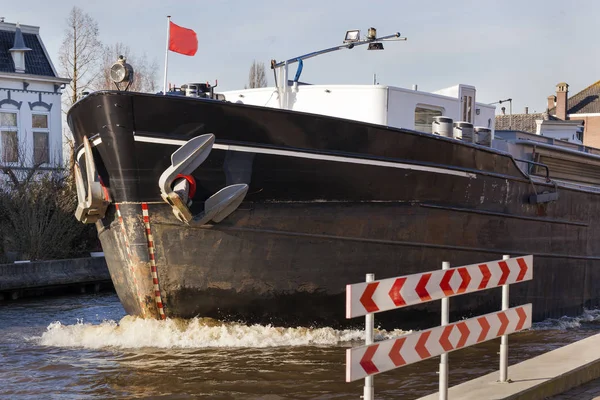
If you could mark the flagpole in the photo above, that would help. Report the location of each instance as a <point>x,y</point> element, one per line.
<point>167,53</point>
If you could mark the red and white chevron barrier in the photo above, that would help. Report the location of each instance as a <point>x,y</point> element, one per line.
<point>387,294</point>
<point>386,355</point>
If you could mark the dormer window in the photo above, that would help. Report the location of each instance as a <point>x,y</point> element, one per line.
<point>18,51</point>
<point>19,60</point>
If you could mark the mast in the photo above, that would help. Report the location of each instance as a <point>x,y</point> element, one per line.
<point>351,40</point>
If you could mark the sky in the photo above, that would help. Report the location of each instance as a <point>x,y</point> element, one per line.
<point>505,48</point>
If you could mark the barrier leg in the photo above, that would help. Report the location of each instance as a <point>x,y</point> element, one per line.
<point>444,357</point>
<point>369,390</point>
<point>504,338</point>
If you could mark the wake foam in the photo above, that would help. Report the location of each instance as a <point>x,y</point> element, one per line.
<point>133,332</point>
<point>564,323</point>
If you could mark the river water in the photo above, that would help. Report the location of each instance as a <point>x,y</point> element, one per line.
<point>85,347</point>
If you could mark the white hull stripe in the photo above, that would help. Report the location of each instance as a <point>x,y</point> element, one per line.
<point>313,156</point>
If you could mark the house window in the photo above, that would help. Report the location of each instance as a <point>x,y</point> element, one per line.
<point>41,142</point>
<point>9,137</point>
<point>424,118</point>
<point>40,148</point>
<point>39,121</point>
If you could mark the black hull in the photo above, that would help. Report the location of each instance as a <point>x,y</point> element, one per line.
<point>329,200</point>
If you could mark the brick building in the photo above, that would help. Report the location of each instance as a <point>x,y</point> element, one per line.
<point>575,118</point>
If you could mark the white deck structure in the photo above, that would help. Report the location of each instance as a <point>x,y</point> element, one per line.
<point>376,104</point>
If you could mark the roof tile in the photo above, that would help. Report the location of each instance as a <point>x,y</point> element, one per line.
<point>520,122</point>
<point>586,101</point>
<point>36,62</point>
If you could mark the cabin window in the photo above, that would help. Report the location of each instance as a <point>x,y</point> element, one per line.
<point>467,109</point>
<point>424,118</point>
<point>41,148</point>
<point>9,137</point>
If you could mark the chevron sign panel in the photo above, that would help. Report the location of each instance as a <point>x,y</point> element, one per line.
<point>386,355</point>
<point>387,294</point>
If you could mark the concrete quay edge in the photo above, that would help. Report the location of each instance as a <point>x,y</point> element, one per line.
<point>538,378</point>
<point>52,273</point>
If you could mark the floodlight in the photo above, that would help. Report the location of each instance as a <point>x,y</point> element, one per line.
<point>375,46</point>
<point>121,71</point>
<point>352,36</point>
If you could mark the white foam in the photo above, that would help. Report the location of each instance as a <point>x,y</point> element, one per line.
<point>564,323</point>
<point>132,332</point>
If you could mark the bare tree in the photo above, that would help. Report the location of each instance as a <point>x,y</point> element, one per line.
<point>20,165</point>
<point>257,77</point>
<point>37,202</point>
<point>145,72</point>
<point>79,53</point>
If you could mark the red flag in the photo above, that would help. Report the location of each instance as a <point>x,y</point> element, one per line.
<point>182,40</point>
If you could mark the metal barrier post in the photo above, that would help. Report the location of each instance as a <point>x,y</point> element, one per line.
<point>504,338</point>
<point>444,356</point>
<point>369,390</point>
<point>371,296</point>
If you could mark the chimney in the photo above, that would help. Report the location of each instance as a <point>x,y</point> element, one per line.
<point>562,94</point>
<point>503,110</point>
<point>551,102</point>
<point>526,110</point>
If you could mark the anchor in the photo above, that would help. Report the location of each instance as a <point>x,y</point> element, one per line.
<point>175,191</point>
<point>91,202</point>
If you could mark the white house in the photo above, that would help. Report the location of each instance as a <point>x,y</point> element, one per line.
<point>30,101</point>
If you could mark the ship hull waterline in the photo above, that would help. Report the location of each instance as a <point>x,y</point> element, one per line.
<point>316,219</point>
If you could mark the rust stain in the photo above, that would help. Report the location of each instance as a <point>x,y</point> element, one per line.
<point>224,285</point>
